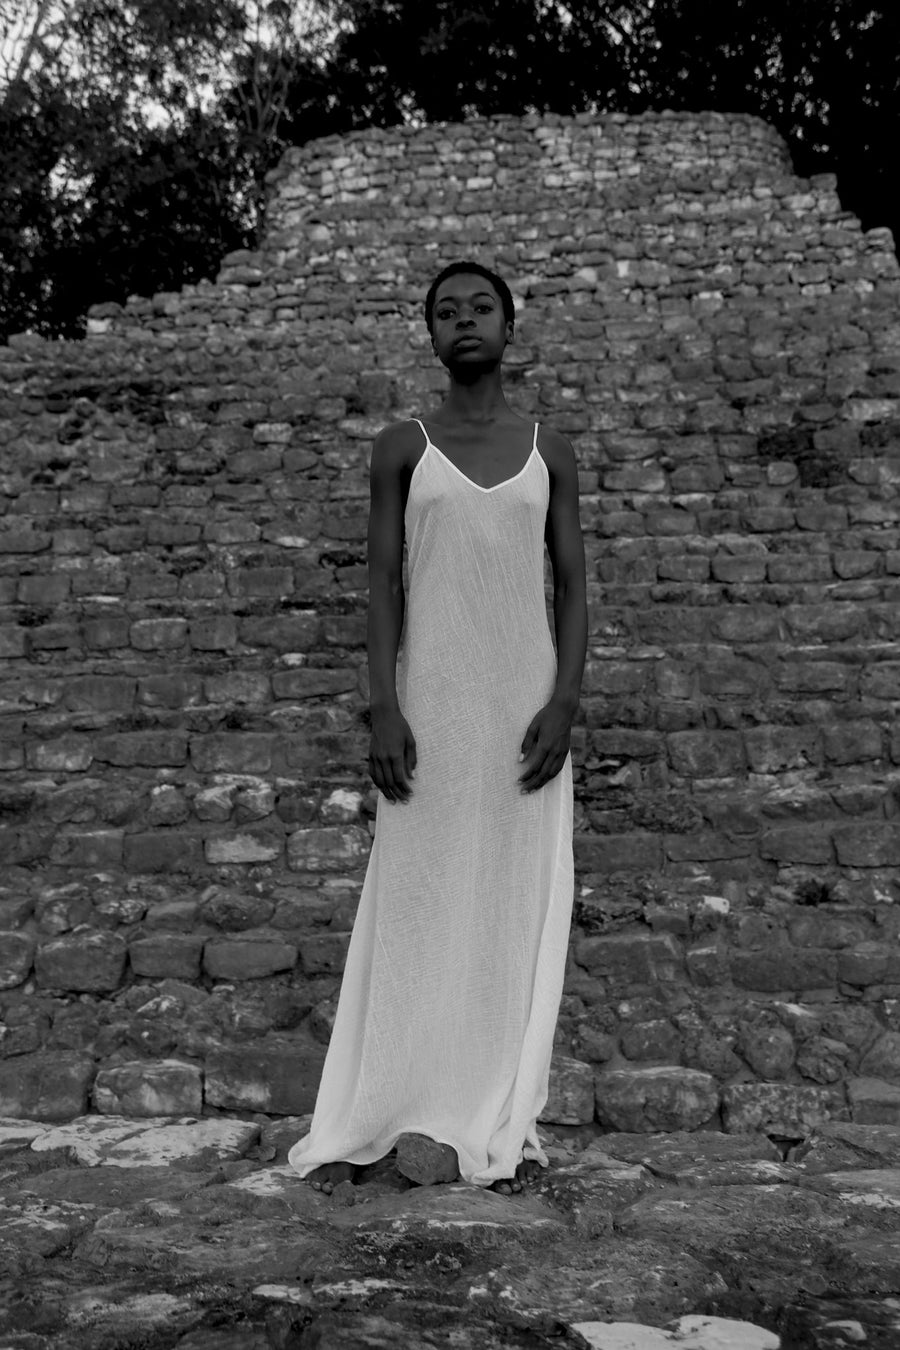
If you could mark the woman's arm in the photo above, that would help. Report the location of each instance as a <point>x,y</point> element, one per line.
<point>546,742</point>
<point>392,751</point>
<point>566,548</point>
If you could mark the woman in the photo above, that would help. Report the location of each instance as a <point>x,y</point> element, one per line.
<point>455,968</point>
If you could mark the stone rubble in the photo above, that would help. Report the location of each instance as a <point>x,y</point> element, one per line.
<point>168,1233</point>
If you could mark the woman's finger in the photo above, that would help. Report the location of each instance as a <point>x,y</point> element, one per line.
<point>399,778</point>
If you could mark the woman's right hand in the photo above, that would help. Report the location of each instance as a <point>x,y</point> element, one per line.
<point>392,755</point>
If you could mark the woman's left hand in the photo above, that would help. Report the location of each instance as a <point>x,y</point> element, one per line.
<point>545,746</point>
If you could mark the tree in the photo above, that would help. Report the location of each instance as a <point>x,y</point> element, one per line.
<point>134,143</point>
<point>136,135</point>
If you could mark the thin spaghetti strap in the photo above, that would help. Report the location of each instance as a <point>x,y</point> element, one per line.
<point>424,432</point>
<point>534,442</point>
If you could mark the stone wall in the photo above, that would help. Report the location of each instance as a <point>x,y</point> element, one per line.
<point>186,816</point>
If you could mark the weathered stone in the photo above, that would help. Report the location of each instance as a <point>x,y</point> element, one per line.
<point>45,1086</point>
<point>247,957</point>
<point>442,1217</point>
<point>327,848</point>
<point>570,1099</point>
<point>769,1050</point>
<point>841,1146</point>
<point>698,1331</point>
<point>16,958</point>
<point>149,1088</point>
<point>873,1101</point>
<point>629,960</point>
<point>663,1098</point>
<point>118,1143</point>
<point>277,1077</point>
<point>172,956</point>
<point>778,1108</point>
<point>87,962</point>
<point>235,909</point>
<point>34,1230</point>
<point>426,1161</point>
<point>882,1060</point>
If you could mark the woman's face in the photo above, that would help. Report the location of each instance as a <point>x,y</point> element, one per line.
<point>469,327</point>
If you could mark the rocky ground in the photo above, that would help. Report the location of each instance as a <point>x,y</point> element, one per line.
<point>121,1234</point>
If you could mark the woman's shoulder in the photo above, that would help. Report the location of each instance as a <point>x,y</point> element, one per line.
<point>556,449</point>
<point>398,445</point>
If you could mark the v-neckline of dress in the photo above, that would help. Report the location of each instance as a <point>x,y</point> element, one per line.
<point>471,481</point>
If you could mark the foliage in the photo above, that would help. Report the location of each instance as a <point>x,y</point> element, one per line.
<point>136,135</point>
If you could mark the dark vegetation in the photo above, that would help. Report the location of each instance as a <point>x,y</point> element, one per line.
<point>136,135</point>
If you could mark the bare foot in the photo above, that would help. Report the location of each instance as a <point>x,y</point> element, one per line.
<point>329,1175</point>
<point>526,1171</point>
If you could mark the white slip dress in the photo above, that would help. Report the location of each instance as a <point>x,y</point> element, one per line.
<point>454,972</point>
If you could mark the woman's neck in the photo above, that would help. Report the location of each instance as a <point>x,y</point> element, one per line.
<point>481,401</point>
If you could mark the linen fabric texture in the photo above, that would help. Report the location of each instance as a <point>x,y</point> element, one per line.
<point>454,972</point>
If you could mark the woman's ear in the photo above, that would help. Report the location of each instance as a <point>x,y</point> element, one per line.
<point>510,333</point>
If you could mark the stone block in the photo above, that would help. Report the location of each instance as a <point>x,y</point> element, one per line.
<point>627,959</point>
<point>252,844</point>
<point>323,953</point>
<point>47,1085</point>
<point>868,963</point>
<point>153,635</point>
<point>769,1050</point>
<point>822,1059</point>
<point>655,1039</point>
<point>16,958</point>
<point>153,749</point>
<point>868,844</point>
<point>167,956</point>
<point>280,1078</point>
<point>811,844</point>
<point>637,852</point>
<point>105,632</point>
<point>163,851</point>
<point>214,633</point>
<point>284,632</point>
<point>882,1060</point>
<point>707,965</point>
<point>167,1087</point>
<point>248,957</point>
<point>771,749</point>
<point>235,909</point>
<point>100,693</point>
<point>237,686</point>
<point>881,680</point>
<point>67,754</point>
<point>852,742</point>
<point>83,961</point>
<point>328,848</point>
<point>305,683</point>
<point>661,1099</point>
<point>783,968</point>
<point>873,1101</point>
<point>13,641</point>
<point>706,754</point>
<point>779,1108</point>
<point>98,849</point>
<point>176,915</point>
<point>232,752</point>
<point>570,1094</point>
<point>271,582</point>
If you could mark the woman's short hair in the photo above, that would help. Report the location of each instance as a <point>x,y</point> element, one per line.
<point>469,268</point>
